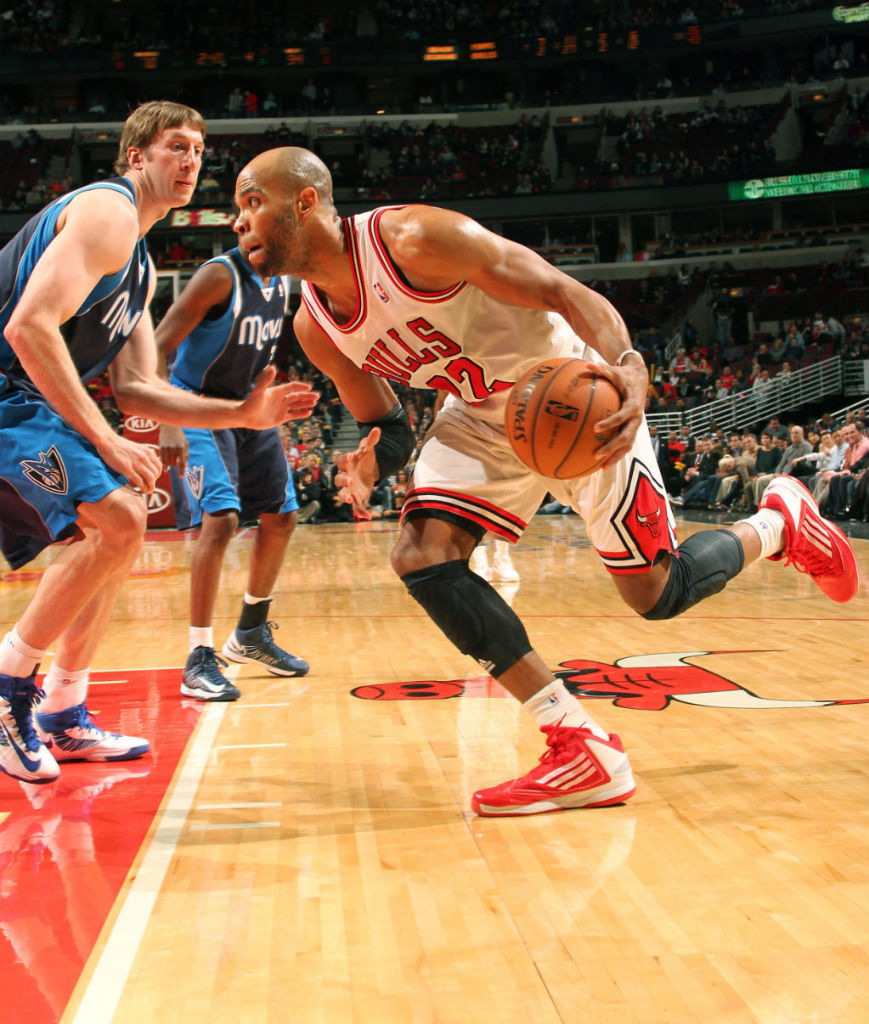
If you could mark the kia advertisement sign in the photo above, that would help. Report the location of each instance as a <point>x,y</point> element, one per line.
<point>146,431</point>
<point>140,425</point>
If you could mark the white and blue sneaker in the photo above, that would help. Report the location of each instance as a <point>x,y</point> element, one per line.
<point>23,755</point>
<point>203,680</point>
<point>72,735</point>
<point>257,645</point>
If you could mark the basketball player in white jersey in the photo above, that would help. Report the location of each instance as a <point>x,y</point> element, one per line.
<point>432,299</point>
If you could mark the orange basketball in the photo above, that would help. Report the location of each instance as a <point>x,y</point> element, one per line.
<point>550,416</point>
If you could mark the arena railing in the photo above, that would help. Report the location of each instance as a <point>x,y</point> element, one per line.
<point>784,393</point>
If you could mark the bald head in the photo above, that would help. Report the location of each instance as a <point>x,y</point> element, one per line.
<point>288,169</point>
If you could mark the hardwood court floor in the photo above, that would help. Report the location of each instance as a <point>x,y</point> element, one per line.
<point>314,859</point>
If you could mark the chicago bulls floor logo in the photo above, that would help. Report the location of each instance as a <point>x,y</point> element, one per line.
<point>642,682</point>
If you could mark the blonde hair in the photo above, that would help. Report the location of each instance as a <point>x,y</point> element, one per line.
<point>146,123</point>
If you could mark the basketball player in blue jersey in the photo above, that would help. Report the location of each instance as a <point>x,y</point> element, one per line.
<point>223,330</point>
<point>430,298</point>
<point>75,284</point>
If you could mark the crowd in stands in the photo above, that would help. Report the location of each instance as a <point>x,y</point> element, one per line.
<point>722,472</point>
<point>213,34</point>
<point>415,161</point>
<point>713,142</point>
<point>428,160</point>
<point>707,370</point>
<point>36,26</point>
<point>555,17</point>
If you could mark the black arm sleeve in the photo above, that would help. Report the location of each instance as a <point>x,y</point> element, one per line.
<point>396,442</point>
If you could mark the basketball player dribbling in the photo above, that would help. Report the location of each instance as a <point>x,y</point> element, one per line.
<point>75,285</point>
<point>430,298</point>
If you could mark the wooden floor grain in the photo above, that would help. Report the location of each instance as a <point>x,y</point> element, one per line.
<point>329,869</point>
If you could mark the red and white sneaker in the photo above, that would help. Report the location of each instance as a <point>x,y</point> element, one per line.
<point>578,770</point>
<point>813,545</point>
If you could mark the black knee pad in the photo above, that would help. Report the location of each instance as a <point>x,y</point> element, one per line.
<point>470,613</point>
<point>706,561</point>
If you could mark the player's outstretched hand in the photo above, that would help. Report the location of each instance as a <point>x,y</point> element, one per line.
<point>138,462</point>
<point>269,406</point>
<point>357,475</point>
<point>173,447</point>
<point>632,381</point>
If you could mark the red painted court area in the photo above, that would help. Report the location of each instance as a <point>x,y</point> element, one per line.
<point>66,848</point>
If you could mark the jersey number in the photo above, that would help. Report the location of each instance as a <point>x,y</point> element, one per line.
<point>462,370</point>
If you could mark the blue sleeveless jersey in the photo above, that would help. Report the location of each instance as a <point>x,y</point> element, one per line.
<point>222,357</point>
<point>99,328</point>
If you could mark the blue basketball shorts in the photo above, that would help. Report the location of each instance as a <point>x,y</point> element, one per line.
<point>237,469</point>
<point>46,470</point>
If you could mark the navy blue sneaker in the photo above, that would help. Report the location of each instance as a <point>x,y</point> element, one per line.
<point>203,679</point>
<point>23,755</point>
<point>257,645</point>
<point>72,735</point>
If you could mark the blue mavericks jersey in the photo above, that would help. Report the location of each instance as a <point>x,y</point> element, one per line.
<point>222,357</point>
<point>99,328</point>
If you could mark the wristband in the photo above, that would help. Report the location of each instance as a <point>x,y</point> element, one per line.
<point>628,352</point>
<point>397,441</point>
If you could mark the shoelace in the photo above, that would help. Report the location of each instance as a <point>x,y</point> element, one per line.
<point>553,741</point>
<point>83,720</point>
<point>22,703</point>
<point>211,661</point>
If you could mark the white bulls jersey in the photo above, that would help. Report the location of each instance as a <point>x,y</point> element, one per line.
<point>460,340</point>
<point>476,347</point>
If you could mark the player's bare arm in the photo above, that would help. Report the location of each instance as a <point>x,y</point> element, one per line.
<point>367,397</point>
<point>140,391</point>
<point>96,236</point>
<point>208,289</point>
<point>436,248</point>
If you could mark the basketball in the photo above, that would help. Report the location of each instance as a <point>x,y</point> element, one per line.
<point>550,416</point>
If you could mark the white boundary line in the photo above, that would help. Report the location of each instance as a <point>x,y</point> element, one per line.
<point>106,984</point>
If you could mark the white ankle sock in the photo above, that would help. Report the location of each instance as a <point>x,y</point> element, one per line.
<point>64,689</point>
<point>251,599</point>
<point>554,704</point>
<point>201,636</point>
<point>18,658</point>
<point>769,525</point>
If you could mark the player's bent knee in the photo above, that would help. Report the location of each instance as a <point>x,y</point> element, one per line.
<point>470,613</point>
<point>120,519</point>
<point>425,542</point>
<point>410,555</point>
<point>220,527</point>
<point>641,590</point>
<point>279,522</point>
<point>704,564</point>
<point>128,513</point>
